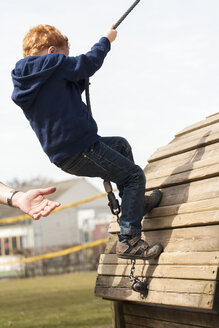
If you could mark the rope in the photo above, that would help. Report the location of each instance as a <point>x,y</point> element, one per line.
<point>87,82</point>
<point>59,253</point>
<point>27,217</point>
<point>126,14</point>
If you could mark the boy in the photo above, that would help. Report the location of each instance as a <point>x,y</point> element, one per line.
<point>48,86</point>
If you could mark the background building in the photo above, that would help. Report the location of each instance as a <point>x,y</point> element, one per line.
<point>63,229</point>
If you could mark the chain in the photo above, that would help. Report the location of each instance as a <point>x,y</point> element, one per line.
<point>132,270</point>
<point>138,285</point>
<point>118,218</point>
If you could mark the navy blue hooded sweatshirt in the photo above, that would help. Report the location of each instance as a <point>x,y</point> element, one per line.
<point>48,89</point>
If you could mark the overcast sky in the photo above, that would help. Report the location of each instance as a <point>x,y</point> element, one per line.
<point>161,75</point>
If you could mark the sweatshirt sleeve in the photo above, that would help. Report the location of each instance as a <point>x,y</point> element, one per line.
<point>83,66</point>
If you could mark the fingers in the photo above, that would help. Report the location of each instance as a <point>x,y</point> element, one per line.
<point>44,209</point>
<point>47,191</point>
<point>36,216</point>
<point>48,209</point>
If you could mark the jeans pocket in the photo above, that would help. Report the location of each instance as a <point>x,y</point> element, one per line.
<point>73,164</point>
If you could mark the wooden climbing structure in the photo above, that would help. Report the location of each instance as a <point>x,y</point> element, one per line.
<point>182,285</point>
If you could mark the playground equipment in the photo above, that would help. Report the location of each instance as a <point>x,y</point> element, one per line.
<point>181,286</point>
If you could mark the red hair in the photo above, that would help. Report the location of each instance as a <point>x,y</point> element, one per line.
<point>41,37</point>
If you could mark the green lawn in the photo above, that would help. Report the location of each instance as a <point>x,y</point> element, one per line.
<point>53,301</point>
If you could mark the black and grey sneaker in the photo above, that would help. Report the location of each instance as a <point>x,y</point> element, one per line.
<point>152,201</point>
<point>135,248</point>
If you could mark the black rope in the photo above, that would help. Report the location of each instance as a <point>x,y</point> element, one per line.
<point>87,83</point>
<point>126,14</point>
<point>87,95</point>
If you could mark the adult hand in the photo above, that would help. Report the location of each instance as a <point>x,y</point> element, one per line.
<point>34,203</point>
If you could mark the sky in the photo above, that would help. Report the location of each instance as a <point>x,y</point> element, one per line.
<point>161,75</point>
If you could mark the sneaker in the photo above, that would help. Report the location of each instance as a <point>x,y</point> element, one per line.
<point>135,248</point>
<point>152,201</point>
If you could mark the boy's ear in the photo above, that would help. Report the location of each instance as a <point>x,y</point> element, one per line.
<point>51,50</point>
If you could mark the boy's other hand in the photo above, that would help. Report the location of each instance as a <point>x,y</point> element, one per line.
<point>111,34</point>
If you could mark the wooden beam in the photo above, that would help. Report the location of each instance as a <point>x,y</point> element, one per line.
<point>187,173</point>
<point>154,297</point>
<point>192,239</point>
<point>172,314</point>
<point>161,271</point>
<point>187,286</point>
<point>191,192</point>
<point>142,322</point>
<point>199,125</point>
<point>197,258</point>
<point>176,221</point>
<point>117,315</point>
<point>183,146</point>
<point>207,204</point>
<point>191,157</point>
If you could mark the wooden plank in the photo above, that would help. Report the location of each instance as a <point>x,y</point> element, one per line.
<point>179,215</point>
<point>174,221</point>
<point>172,325</point>
<point>194,239</point>
<point>185,208</point>
<point>182,162</point>
<point>154,297</point>
<point>216,297</point>
<point>172,163</point>
<point>182,220</point>
<point>187,198</point>
<point>163,171</point>
<point>172,314</point>
<point>162,271</point>
<point>131,321</point>
<point>161,285</point>
<point>202,239</point>
<point>197,258</point>
<point>184,146</point>
<point>191,192</point>
<point>196,126</point>
<point>117,315</point>
<point>128,325</point>
<point>184,174</point>
<point>204,132</point>
<point>203,205</point>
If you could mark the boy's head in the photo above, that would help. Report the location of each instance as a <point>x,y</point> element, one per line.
<point>44,39</point>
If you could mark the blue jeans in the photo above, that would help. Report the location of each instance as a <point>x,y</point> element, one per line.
<point>111,159</point>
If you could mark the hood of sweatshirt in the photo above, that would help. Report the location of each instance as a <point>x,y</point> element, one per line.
<point>29,74</point>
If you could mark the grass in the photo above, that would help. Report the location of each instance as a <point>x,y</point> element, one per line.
<point>53,301</point>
